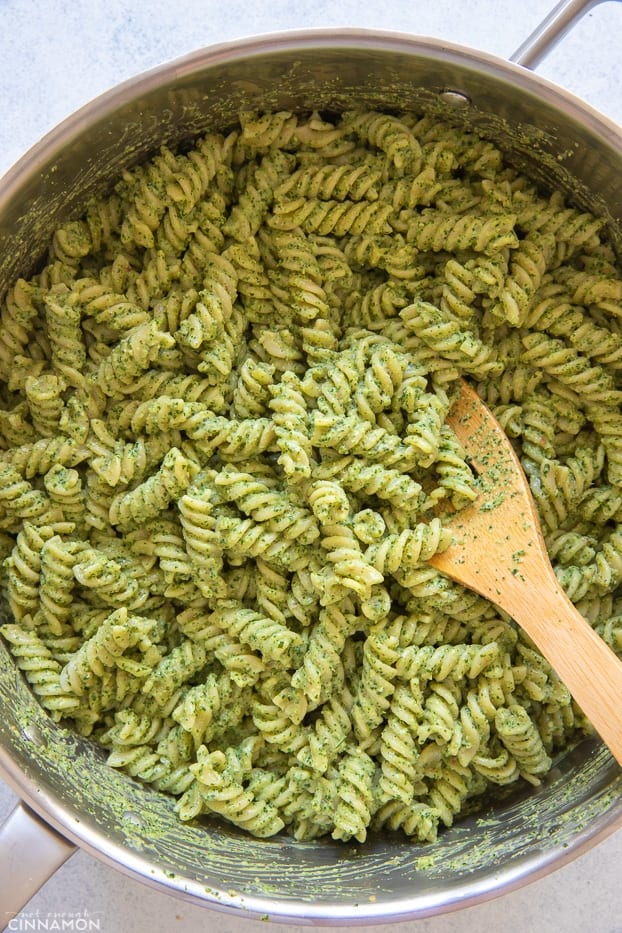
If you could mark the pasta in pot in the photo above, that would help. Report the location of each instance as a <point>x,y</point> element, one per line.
<point>224,461</point>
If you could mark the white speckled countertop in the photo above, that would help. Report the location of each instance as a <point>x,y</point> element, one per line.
<point>57,55</point>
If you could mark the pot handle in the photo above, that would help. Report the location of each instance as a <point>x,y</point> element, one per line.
<point>30,852</point>
<point>554,27</point>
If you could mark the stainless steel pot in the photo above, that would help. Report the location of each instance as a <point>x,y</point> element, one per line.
<point>70,797</point>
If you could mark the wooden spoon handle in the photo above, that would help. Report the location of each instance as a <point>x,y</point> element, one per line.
<point>585,663</point>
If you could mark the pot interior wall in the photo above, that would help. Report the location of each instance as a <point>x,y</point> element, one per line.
<point>65,777</point>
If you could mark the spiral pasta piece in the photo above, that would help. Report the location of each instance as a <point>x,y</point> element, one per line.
<point>527,268</point>
<point>43,394</point>
<point>321,663</point>
<point>388,134</point>
<point>154,494</point>
<point>445,336</point>
<point>378,680</point>
<point>271,638</point>
<point>438,663</point>
<point>440,716</point>
<point>599,290</point>
<point>257,195</point>
<point>350,566</point>
<point>131,357</point>
<point>564,363</point>
<point>17,316</point>
<point>354,791</point>
<point>291,427</point>
<point>196,515</point>
<point>114,585</point>
<point>417,819</point>
<point>243,665</point>
<point>522,740</point>
<point>41,670</point>
<point>227,797</point>
<point>449,791</point>
<point>271,507</point>
<point>242,538</point>
<point>24,568</point>
<point>252,393</point>
<point>234,439</point>
<point>102,650</point>
<point>177,667</point>
<point>296,284</point>
<point>63,320</point>
<point>329,733</point>
<point>97,301</point>
<point>399,749</point>
<point>198,711</point>
<point>331,217</point>
<point>19,497</point>
<point>409,548</point>
<point>351,434</point>
<point>214,305</point>
<point>440,230</point>
<point>146,192</point>
<point>455,478</point>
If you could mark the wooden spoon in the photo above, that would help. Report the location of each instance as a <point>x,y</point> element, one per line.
<point>499,552</point>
